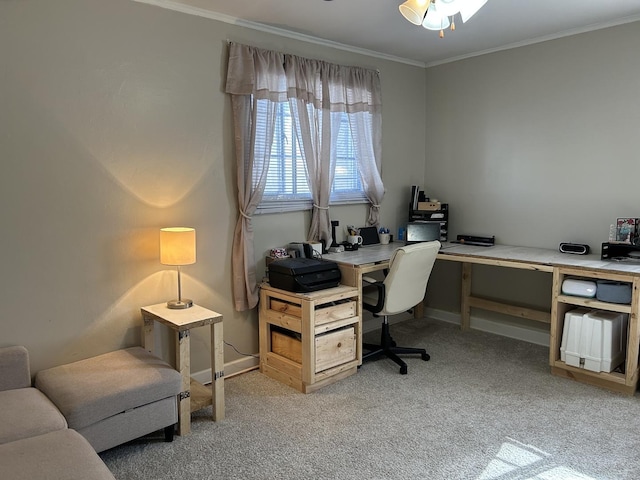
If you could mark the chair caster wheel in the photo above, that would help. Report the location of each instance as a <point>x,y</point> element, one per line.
<point>403,370</point>
<point>425,357</point>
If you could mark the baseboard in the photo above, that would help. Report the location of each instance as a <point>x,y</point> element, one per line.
<point>369,324</point>
<point>492,326</point>
<point>242,365</point>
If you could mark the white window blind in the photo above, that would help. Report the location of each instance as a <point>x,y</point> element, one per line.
<point>287,188</point>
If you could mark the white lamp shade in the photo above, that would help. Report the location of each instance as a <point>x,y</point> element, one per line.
<point>414,10</point>
<point>469,8</point>
<point>435,20</point>
<point>448,8</point>
<point>177,246</point>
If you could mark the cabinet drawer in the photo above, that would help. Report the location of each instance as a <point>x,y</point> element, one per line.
<point>325,313</point>
<point>286,346</point>
<point>335,348</point>
<point>330,313</point>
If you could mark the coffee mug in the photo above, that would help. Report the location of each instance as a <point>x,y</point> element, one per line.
<point>353,239</point>
<point>384,238</point>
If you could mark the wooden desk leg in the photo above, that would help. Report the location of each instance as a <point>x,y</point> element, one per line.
<point>183,365</point>
<point>465,308</point>
<point>217,371</point>
<point>147,334</point>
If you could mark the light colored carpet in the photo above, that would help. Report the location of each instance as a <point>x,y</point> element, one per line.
<point>484,407</point>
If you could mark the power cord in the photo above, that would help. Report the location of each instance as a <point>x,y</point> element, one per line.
<point>239,352</point>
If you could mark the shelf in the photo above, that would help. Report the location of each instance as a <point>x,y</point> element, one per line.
<point>595,304</point>
<point>614,381</point>
<point>620,382</point>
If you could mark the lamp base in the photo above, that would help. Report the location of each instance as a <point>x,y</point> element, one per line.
<point>180,304</point>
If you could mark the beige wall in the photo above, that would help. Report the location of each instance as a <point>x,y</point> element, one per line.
<point>113,124</point>
<point>536,145</point>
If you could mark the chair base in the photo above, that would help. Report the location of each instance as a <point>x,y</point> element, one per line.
<point>389,349</point>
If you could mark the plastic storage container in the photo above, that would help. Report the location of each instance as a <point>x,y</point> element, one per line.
<point>594,339</point>
<point>570,344</point>
<point>603,340</point>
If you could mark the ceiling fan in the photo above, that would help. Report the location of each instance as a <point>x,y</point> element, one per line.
<point>439,14</point>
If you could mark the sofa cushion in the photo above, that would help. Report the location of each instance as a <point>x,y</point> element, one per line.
<point>91,390</point>
<point>63,454</point>
<point>27,412</point>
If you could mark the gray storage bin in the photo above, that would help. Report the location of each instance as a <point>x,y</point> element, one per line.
<point>613,292</point>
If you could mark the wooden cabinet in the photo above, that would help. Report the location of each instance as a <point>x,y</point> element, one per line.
<point>625,381</point>
<point>309,340</point>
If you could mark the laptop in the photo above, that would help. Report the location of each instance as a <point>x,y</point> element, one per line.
<point>422,232</point>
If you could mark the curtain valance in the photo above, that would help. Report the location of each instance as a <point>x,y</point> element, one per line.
<point>279,77</point>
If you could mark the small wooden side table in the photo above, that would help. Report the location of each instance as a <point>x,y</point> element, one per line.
<point>194,395</point>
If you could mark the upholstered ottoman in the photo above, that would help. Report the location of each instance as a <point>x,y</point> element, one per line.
<point>116,397</point>
<point>63,454</point>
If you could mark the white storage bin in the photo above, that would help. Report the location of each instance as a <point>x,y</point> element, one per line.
<point>571,334</point>
<point>603,340</point>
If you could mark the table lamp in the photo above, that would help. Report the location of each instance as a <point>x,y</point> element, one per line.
<point>178,247</point>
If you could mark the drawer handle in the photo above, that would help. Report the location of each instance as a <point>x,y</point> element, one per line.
<point>339,344</point>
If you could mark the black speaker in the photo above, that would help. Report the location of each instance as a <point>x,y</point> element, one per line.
<point>575,248</point>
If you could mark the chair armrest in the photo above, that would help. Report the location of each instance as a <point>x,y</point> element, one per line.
<point>381,297</point>
<point>14,368</point>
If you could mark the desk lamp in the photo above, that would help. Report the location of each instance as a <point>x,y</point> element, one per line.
<point>178,247</point>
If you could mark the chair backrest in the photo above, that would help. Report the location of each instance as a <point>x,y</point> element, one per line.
<point>409,271</point>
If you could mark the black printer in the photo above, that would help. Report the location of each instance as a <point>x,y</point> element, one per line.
<point>303,274</point>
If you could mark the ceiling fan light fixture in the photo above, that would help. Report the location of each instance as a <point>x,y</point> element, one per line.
<point>468,8</point>
<point>434,20</point>
<point>448,8</point>
<point>414,10</point>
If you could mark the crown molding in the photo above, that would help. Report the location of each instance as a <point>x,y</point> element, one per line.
<point>532,41</point>
<point>201,12</point>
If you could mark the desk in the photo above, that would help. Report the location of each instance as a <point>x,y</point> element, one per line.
<point>193,396</point>
<point>355,264</point>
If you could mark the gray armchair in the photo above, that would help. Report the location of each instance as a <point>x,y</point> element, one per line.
<point>402,288</point>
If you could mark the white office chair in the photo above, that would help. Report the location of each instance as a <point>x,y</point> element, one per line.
<point>402,289</point>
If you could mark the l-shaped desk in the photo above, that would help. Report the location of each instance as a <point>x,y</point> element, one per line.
<point>354,265</point>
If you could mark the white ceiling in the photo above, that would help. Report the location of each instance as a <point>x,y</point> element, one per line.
<point>377,25</point>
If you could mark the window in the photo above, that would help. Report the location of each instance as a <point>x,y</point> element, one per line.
<point>287,188</point>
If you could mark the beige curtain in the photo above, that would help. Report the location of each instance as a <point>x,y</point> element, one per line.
<point>255,81</point>
<point>364,110</point>
<point>309,83</point>
<point>362,125</point>
<point>319,94</point>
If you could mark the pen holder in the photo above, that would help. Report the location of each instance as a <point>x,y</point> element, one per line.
<point>385,238</point>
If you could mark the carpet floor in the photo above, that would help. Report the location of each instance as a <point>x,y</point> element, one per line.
<point>484,407</point>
